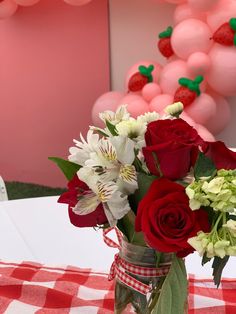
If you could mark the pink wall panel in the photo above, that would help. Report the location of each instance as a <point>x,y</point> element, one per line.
<point>54,63</point>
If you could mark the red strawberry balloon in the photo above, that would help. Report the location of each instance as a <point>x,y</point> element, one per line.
<point>226,33</point>
<point>188,91</point>
<point>140,79</point>
<point>164,43</point>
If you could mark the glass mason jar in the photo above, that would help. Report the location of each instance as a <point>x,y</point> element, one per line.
<point>128,300</point>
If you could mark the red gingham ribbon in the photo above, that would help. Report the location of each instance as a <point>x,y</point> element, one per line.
<point>119,267</point>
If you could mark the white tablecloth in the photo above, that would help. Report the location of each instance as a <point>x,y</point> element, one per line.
<point>38,229</point>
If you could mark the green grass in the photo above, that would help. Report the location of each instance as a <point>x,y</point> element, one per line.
<point>16,190</point>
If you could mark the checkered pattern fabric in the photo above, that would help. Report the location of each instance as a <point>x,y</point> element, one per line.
<point>34,288</point>
<point>29,288</point>
<point>205,298</point>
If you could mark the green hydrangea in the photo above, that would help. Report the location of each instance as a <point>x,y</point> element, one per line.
<point>220,241</point>
<point>218,192</point>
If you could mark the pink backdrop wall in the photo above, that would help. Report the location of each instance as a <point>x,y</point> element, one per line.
<point>54,63</point>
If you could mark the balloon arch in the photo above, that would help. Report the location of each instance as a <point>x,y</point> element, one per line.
<point>200,70</point>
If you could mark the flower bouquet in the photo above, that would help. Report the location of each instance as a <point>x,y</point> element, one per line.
<point>165,191</point>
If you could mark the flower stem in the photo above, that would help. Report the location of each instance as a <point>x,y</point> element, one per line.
<point>155,296</point>
<point>218,221</point>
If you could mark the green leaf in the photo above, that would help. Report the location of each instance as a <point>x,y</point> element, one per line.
<point>183,183</point>
<point>212,215</point>
<point>144,183</point>
<point>112,128</point>
<point>183,81</point>
<point>127,227</point>
<point>99,131</point>
<point>204,167</point>
<point>147,71</point>
<point>67,167</point>
<point>167,33</point>
<point>159,256</point>
<point>205,259</point>
<point>127,223</point>
<point>173,295</point>
<point>232,23</point>
<point>192,85</point>
<point>233,217</point>
<point>218,266</point>
<point>199,79</point>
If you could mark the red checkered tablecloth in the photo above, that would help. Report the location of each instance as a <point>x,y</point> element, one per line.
<point>29,288</point>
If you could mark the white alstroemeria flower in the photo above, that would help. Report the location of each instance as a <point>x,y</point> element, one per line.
<point>148,117</point>
<point>115,203</point>
<point>113,162</point>
<point>111,176</point>
<point>81,152</point>
<point>121,114</point>
<point>89,176</point>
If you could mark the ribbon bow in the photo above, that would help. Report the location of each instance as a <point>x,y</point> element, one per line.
<point>120,267</point>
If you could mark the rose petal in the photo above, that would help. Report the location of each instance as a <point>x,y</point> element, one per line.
<point>165,218</point>
<point>222,157</point>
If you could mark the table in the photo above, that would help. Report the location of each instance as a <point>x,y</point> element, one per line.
<point>38,229</point>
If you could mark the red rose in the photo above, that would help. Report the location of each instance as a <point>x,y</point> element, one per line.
<point>222,157</point>
<point>76,188</point>
<point>165,218</point>
<point>170,145</point>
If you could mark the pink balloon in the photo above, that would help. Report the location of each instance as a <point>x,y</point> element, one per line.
<point>160,102</point>
<point>26,3</point>
<point>187,118</point>
<point>184,12</point>
<point>176,1</point>
<point>136,105</point>
<point>77,2</point>
<point>191,36</point>
<point>223,12</point>
<point>198,63</point>
<point>222,74</point>
<point>203,85</point>
<point>202,5</point>
<point>158,1</point>
<point>202,109</point>
<point>134,69</point>
<point>222,116</point>
<point>204,133</point>
<point>171,74</point>
<point>108,101</point>
<point>150,91</point>
<point>7,8</point>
